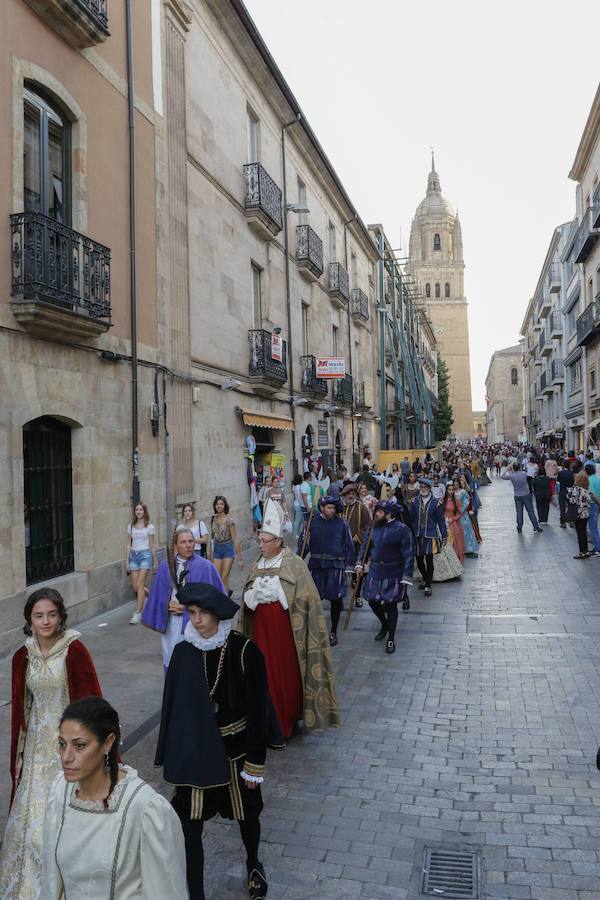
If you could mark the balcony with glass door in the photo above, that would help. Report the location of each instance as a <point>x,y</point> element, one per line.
<point>553,278</point>
<point>555,324</point>
<point>588,323</point>
<point>341,390</point>
<point>545,344</point>
<point>557,371</point>
<point>544,304</point>
<point>586,236</point>
<point>310,385</point>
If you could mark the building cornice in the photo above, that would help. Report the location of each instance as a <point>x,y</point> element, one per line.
<point>589,137</point>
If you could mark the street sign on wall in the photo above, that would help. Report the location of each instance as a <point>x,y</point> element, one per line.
<point>330,367</point>
<point>322,433</point>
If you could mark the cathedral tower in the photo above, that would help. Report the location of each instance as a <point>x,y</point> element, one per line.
<point>437,265</point>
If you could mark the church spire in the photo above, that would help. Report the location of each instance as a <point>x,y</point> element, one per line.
<point>433,181</point>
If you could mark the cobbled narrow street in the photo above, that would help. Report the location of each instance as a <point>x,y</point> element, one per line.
<point>480,734</point>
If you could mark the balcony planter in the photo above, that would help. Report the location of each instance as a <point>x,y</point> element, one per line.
<point>309,253</point>
<point>262,204</point>
<point>60,279</point>
<point>81,23</point>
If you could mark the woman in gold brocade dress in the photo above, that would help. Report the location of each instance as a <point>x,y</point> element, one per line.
<point>50,670</point>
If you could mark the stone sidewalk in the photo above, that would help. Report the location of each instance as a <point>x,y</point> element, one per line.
<point>480,734</point>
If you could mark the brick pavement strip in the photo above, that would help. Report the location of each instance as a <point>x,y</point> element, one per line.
<point>480,733</point>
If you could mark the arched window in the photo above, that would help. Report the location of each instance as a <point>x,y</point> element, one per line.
<point>428,290</point>
<point>437,291</point>
<point>437,244</point>
<point>447,289</point>
<point>46,158</point>
<point>48,499</point>
<point>514,376</point>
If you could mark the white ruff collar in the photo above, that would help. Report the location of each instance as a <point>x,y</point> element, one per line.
<point>212,643</point>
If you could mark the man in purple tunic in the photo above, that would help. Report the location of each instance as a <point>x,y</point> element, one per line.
<point>163,612</point>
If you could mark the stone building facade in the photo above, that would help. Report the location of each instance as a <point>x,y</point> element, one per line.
<point>66,457</point>
<point>503,391</point>
<point>437,265</point>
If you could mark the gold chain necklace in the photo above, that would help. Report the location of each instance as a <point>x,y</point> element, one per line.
<point>212,690</point>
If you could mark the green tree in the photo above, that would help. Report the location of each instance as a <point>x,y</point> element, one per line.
<point>444,416</point>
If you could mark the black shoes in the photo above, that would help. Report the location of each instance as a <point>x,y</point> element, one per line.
<point>358,602</point>
<point>381,634</point>
<point>332,639</point>
<point>405,604</point>
<point>390,647</point>
<point>519,531</point>
<point>538,530</point>
<point>257,883</point>
<point>427,591</point>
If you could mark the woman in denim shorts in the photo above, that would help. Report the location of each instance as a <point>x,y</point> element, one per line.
<point>140,556</point>
<point>225,545</point>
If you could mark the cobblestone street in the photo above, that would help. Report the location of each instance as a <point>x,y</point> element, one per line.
<point>479,734</point>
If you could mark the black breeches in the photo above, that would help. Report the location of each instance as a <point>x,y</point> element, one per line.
<point>194,851</point>
<point>425,566</point>
<point>336,611</point>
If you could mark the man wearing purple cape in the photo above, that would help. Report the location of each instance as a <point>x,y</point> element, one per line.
<point>163,612</point>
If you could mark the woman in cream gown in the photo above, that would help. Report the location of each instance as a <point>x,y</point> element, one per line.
<point>107,834</point>
<point>52,668</point>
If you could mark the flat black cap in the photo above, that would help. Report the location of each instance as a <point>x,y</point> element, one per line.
<point>208,597</point>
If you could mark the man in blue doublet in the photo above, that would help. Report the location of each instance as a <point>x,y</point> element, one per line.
<point>329,544</point>
<point>389,550</point>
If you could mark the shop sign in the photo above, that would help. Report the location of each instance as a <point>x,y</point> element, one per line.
<point>276,347</point>
<point>330,367</point>
<point>277,460</point>
<point>322,433</point>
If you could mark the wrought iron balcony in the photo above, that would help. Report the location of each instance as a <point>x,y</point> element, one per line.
<point>537,326</point>
<point>546,384</point>
<point>341,389</point>
<point>553,278</point>
<point>309,252</point>
<point>544,304</point>
<point>338,284</point>
<point>557,370</point>
<point>586,235</point>
<point>310,384</point>
<point>555,324</point>
<point>545,344</point>
<point>60,278</point>
<point>588,323</point>
<point>359,306</point>
<point>363,398</point>
<point>82,23</point>
<point>266,370</point>
<point>540,384</point>
<point>263,201</point>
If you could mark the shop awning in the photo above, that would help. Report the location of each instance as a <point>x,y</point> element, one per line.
<point>267,420</point>
<point>594,423</point>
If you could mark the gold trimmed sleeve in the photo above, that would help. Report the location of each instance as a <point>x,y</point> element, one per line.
<point>254,769</point>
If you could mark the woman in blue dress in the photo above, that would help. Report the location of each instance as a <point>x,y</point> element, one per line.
<point>463,498</point>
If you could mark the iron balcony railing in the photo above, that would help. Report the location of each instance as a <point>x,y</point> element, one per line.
<point>341,390</point>
<point>553,277</point>
<point>586,235</point>
<point>557,370</point>
<point>359,306</point>
<point>263,196</point>
<point>57,265</point>
<point>309,383</point>
<point>262,363</point>
<point>555,321</point>
<point>588,323</point>
<point>542,341</point>
<point>97,9</point>
<point>309,249</point>
<point>339,283</point>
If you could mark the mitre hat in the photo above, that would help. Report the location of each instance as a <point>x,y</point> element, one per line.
<point>273,518</point>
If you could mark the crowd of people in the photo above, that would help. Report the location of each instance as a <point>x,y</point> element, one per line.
<point>233,693</point>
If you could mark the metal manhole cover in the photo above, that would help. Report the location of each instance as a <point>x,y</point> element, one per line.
<point>454,874</point>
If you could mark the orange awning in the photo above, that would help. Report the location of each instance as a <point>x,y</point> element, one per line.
<point>267,420</point>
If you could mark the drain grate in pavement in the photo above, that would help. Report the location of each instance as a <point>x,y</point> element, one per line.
<point>453,874</point>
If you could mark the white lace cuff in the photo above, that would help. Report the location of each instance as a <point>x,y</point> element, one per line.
<point>406,581</point>
<point>257,779</point>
